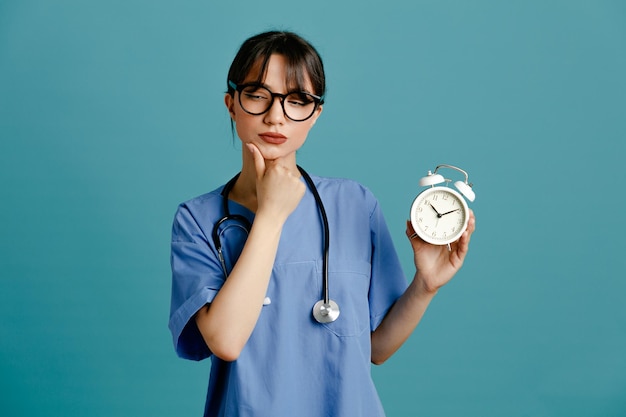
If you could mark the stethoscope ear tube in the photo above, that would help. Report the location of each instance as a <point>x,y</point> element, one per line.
<point>215,233</point>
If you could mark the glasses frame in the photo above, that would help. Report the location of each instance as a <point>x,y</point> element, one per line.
<point>316,99</point>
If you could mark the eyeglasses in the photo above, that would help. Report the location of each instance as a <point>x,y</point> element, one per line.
<point>256,99</point>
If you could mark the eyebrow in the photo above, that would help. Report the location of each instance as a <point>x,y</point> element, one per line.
<point>296,90</point>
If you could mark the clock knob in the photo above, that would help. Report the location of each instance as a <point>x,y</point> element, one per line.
<point>431,179</point>
<point>466,190</point>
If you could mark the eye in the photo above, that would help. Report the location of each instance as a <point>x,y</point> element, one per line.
<point>299,99</point>
<point>255,94</point>
<point>256,97</point>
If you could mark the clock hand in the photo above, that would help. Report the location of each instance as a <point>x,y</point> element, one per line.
<point>451,211</point>
<point>433,207</point>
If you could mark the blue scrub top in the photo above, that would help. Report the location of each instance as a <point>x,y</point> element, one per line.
<point>292,365</point>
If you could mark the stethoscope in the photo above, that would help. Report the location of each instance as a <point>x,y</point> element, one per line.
<point>325,310</point>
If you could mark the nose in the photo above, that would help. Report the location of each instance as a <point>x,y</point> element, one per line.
<point>275,114</point>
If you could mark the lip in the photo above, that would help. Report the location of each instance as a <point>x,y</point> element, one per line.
<point>273,138</point>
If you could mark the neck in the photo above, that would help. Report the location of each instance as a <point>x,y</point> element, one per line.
<point>244,190</point>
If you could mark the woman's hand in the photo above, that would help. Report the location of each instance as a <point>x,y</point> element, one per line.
<point>227,323</point>
<point>278,188</point>
<point>436,265</point>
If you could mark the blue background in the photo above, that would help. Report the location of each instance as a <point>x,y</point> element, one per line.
<point>111,113</point>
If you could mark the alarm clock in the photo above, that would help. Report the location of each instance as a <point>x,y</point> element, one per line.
<point>439,214</point>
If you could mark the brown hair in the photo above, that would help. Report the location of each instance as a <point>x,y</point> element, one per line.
<point>302,60</point>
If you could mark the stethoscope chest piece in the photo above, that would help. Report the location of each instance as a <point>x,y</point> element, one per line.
<point>326,312</point>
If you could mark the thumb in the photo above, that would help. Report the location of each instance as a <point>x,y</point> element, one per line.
<point>259,161</point>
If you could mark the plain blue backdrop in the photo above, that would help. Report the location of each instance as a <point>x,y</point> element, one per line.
<point>111,113</point>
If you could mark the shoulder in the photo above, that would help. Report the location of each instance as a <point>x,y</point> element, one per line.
<point>345,191</point>
<point>204,200</point>
<point>200,210</point>
<point>341,185</point>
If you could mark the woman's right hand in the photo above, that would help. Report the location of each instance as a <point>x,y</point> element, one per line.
<point>227,323</point>
<point>279,189</point>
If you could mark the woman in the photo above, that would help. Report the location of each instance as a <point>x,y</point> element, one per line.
<point>251,311</point>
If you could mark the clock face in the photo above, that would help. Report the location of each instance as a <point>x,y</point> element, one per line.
<point>439,215</point>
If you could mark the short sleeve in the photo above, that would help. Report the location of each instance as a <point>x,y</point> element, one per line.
<point>196,278</point>
<point>388,281</point>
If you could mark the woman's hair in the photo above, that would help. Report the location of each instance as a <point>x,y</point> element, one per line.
<point>302,61</point>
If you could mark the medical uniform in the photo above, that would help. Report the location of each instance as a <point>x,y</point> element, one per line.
<point>292,365</point>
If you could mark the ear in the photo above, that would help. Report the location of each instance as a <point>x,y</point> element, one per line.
<point>229,101</point>
<point>317,114</point>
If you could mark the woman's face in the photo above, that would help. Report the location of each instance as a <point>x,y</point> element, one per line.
<point>272,132</point>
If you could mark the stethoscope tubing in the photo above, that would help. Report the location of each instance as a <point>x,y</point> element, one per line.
<point>326,239</point>
<point>324,310</point>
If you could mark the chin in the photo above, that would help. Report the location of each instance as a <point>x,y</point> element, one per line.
<point>272,154</point>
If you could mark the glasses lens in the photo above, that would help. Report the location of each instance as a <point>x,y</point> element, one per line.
<point>255,99</point>
<point>299,106</point>
<point>296,106</point>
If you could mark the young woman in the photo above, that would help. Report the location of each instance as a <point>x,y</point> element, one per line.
<point>252,258</point>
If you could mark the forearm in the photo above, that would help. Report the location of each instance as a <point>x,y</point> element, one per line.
<point>435,266</point>
<point>400,321</point>
<point>227,323</point>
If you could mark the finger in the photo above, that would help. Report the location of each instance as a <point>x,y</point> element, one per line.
<point>259,161</point>
<point>410,231</point>
<point>280,163</point>
<point>471,227</point>
<point>409,228</point>
<point>463,244</point>
<point>472,223</point>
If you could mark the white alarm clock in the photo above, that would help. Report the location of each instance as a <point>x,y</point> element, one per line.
<point>439,214</point>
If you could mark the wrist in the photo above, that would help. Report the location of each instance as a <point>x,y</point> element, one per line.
<point>422,288</point>
<point>268,222</point>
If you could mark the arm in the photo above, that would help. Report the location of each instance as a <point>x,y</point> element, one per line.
<point>435,266</point>
<point>227,323</point>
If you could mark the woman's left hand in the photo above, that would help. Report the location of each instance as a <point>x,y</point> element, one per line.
<point>436,265</point>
